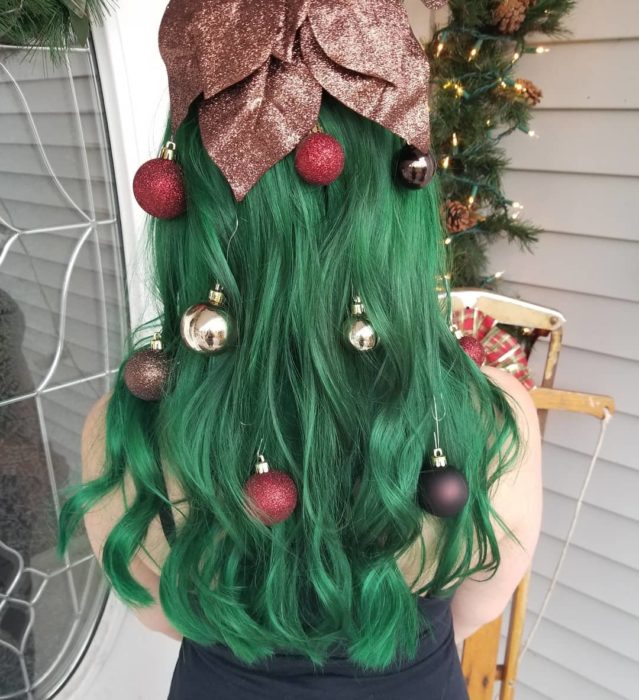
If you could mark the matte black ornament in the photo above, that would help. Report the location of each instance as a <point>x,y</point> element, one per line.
<point>442,488</point>
<point>415,169</point>
<point>146,372</point>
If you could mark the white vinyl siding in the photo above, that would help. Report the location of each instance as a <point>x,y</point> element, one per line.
<point>580,182</point>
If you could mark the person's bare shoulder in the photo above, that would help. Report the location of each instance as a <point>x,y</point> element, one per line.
<point>517,498</point>
<point>518,494</point>
<point>93,439</point>
<point>100,520</point>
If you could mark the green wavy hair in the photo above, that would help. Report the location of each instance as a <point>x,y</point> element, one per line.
<point>352,429</point>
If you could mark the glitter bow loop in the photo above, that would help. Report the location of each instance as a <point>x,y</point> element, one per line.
<point>261,67</point>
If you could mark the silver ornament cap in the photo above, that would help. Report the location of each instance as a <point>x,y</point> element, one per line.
<point>207,327</point>
<point>261,466</point>
<point>438,458</point>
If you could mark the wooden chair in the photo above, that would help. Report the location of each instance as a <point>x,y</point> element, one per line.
<point>479,657</point>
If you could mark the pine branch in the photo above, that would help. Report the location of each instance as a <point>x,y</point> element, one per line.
<point>477,102</point>
<point>56,24</point>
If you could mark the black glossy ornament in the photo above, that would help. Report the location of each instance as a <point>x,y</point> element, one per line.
<point>415,169</point>
<point>442,489</point>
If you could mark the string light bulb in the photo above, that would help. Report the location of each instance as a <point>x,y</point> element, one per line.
<point>455,140</point>
<point>446,162</point>
<point>441,44</point>
<point>516,57</point>
<point>541,49</point>
<point>531,132</point>
<point>490,278</point>
<point>475,50</point>
<point>517,207</point>
<point>458,87</point>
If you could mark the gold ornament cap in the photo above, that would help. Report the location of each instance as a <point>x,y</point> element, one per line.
<point>458,334</point>
<point>357,306</point>
<point>217,296</point>
<point>168,151</point>
<point>438,458</point>
<point>156,342</point>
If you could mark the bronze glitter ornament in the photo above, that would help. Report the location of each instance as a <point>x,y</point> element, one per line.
<point>207,327</point>
<point>147,371</point>
<point>357,331</point>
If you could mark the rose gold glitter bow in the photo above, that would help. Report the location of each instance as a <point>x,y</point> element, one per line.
<point>261,66</point>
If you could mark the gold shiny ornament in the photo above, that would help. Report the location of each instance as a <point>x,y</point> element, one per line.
<point>358,331</point>
<point>207,327</point>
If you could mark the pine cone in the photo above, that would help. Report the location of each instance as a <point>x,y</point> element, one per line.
<point>510,14</point>
<point>530,92</point>
<point>459,217</point>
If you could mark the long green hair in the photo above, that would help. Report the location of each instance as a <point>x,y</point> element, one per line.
<point>352,429</point>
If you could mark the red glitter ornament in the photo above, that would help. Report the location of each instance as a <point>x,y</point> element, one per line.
<point>271,494</point>
<point>158,186</point>
<point>473,348</point>
<point>319,159</point>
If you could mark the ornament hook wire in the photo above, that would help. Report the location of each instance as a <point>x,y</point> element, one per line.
<point>438,420</point>
<point>237,225</point>
<point>449,300</point>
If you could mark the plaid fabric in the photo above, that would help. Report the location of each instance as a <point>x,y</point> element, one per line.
<point>502,349</point>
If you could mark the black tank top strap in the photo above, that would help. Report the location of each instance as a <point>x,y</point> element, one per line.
<point>166,514</point>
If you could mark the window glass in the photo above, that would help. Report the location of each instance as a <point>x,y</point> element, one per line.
<point>62,322</point>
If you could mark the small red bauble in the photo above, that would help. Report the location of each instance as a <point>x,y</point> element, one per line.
<point>158,186</point>
<point>271,494</point>
<point>473,348</point>
<point>319,159</point>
